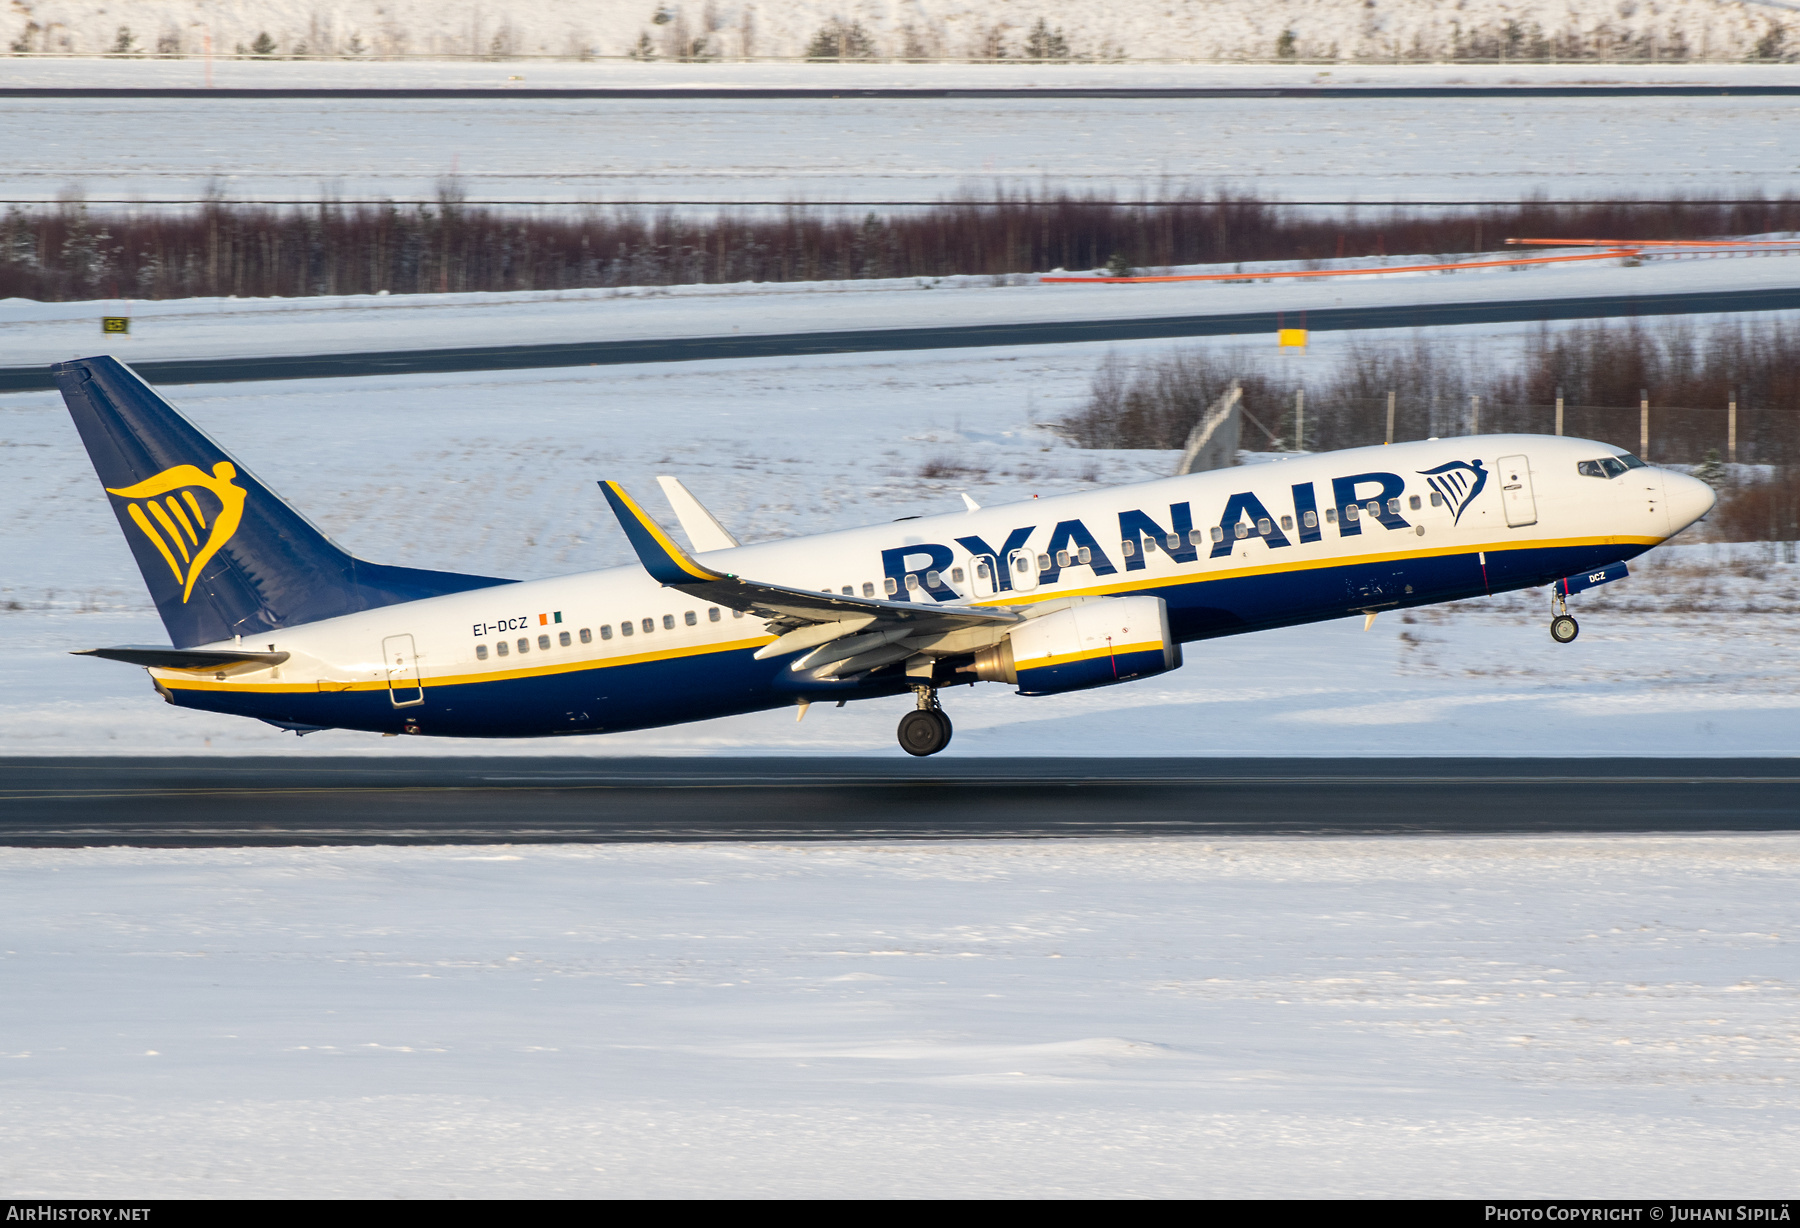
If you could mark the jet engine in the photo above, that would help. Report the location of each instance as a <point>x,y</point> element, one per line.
<point>1096,643</point>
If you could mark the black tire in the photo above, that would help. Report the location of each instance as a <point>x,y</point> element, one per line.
<point>949,729</point>
<point>1564,629</point>
<point>923,733</point>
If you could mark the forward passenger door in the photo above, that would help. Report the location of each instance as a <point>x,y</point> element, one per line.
<point>1515,491</point>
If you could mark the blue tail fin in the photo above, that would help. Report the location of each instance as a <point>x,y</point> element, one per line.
<point>222,554</point>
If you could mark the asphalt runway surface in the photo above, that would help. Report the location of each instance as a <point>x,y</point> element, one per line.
<point>902,94</point>
<point>1052,332</point>
<point>285,801</point>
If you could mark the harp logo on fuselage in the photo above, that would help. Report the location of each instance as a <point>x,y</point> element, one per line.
<point>1459,482</point>
<point>187,514</point>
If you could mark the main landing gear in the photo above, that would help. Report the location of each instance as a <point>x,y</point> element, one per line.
<point>1563,627</point>
<point>925,730</point>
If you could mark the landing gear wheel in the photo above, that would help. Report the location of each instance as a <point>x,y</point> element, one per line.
<point>1564,629</point>
<point>924,732</point>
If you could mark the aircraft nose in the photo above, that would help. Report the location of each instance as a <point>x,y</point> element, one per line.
<point>1687,499</point>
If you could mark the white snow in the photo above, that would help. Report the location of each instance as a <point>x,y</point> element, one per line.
<point>850,149</point>
<point>1191,29</point>
<point>1517,1017</point>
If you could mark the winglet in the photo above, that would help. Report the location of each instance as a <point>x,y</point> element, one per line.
<point>666,562</point>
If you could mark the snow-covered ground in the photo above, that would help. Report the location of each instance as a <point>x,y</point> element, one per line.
<point>1188,29</point>
<point>33,332</point>
<point>1515,1017</point>
<point>494,473</point>
<point>853,149</point>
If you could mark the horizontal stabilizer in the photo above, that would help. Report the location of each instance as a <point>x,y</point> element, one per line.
<point>154,657</point>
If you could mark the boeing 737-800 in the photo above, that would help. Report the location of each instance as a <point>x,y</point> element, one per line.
<point>270,619</point>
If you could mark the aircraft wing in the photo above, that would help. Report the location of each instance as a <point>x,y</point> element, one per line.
<point>790,611</point>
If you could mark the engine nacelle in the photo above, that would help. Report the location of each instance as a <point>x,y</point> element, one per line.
<point>1096,643</point>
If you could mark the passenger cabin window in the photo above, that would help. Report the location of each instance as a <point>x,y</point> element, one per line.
<point>668,622</point>
<point>1043,562</point>
<point>712,615</point>
<point>562,637</point>
<point>1127,549</point>
<point>956,574</point>
<point>1437,500</point>
<point>1331,515</point>
<point>1172,542</point>
<point>1310,520</point>
<point>544,642</point>
<point>1413,503</point>
<point>1264,527</point>
<point>606,632</point>
<point>849,590</point>
<point>1085,555</point>
<point>737,613</point>
<point>691,618</point>
<point>648,625</point>
<point>524,645</point>
<point>1240,530</point>
<point>1394,507</point>
<point>1351,512</point>
<point>912,581</point>
<point>869,589</point>
<point>587,637</point>
<point>626,628</point>
<point>1218,534</point>
<point>933,580</point>
<point>1062,558</point>
<point>501,648</point>
<point>481,652</point>
<point>1287,522</point>
<point>890,586</point>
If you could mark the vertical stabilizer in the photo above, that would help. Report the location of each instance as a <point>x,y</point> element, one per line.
<point>222,554</point>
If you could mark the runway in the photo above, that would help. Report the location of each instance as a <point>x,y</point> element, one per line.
<point>1054,332</point>
<point>288,801</point>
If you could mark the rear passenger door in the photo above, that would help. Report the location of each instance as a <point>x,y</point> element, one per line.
<point>405,688</point>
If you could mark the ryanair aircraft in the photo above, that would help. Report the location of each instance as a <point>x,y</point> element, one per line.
<point>271,619</point>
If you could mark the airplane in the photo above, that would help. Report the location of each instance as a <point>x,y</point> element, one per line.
<point>270,619</point>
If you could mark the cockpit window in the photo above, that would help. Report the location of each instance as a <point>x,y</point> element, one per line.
<point>1605,467</point>
<point>1631,462</point>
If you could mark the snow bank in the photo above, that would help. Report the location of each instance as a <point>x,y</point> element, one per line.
<point>1093,29</point>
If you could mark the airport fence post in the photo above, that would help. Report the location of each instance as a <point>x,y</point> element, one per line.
<point>1475,415</point>
<point>1643,424</point>
<point>1390,430</point>
<point>1299,419</point>
<point>1559,410</point>
<point>1731,428</point>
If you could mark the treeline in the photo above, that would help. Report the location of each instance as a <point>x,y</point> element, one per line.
<point>72,251</point>
<point>1689,376</point>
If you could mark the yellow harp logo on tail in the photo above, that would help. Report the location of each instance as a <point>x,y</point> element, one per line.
<point>184,530</point>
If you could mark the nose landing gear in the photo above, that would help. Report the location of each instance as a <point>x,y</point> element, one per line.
<point>1563,627</point>
<point>926,730</point>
